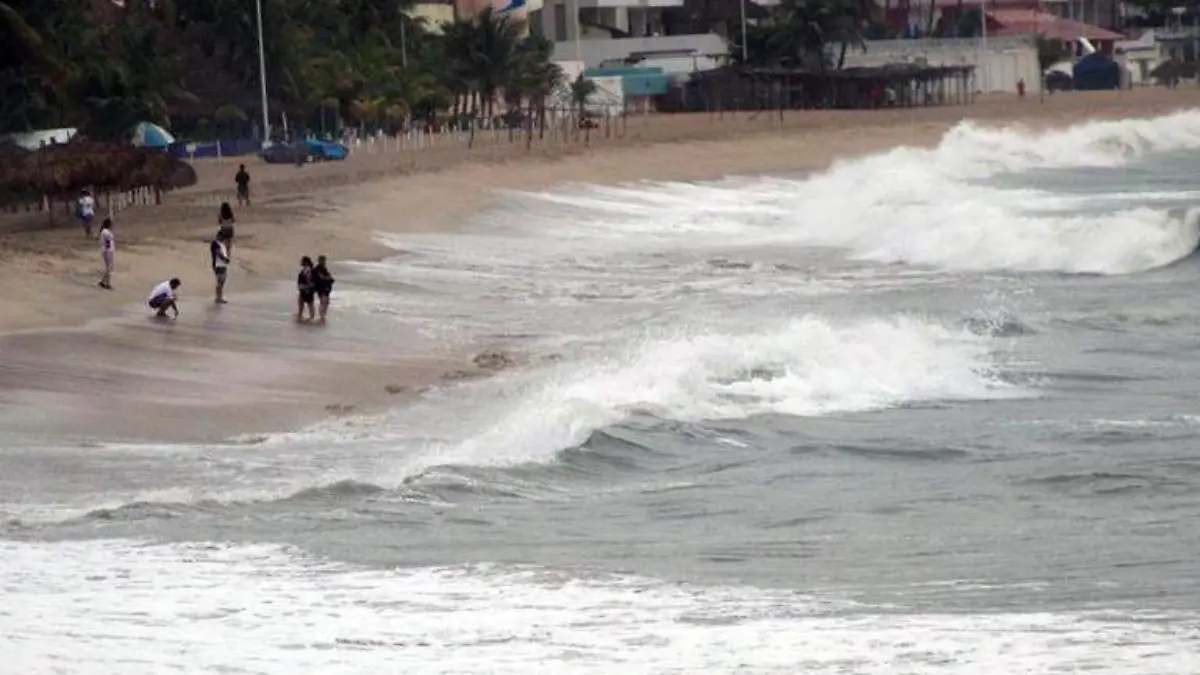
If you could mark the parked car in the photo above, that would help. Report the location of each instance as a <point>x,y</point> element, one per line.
<point>286,153</point>
<point>1056,80</point>
<point>326,150</point>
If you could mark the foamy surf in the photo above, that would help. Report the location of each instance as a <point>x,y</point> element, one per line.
<point>916,206</point>
<point>805,367</point>
<point>134,608</point>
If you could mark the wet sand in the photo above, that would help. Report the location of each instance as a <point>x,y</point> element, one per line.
<point>214,373</point>
<point>83,363</point>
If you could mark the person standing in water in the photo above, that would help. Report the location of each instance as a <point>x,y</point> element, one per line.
<point>108,252</point>
<point>242,178</point>
<point>162,297</point>
<point>323,285</point>
<point>306,290</point>
<point>225,222</point>
<point>85,209</point>
<point>219,253</point>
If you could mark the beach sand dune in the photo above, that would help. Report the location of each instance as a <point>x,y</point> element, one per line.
<point>82,362</point>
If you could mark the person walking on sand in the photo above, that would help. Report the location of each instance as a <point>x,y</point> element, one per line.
<point>225,222</point>
<point>323,285</point>
<point>242,179</point>
<point>219,253</point>
<point>85,210</point>
<point>163,297</point>
<point>108,251</point>
<point>306,290</point>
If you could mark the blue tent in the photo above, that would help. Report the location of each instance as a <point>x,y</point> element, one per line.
<point>1096,72</point>
<point>147,135</point>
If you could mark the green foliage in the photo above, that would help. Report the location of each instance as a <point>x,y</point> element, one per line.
<point>104,68</point>
<point>1051,52</point>
<point>970,24</point>
<point>804,34</point>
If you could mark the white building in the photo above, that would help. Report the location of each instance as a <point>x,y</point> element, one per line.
<point>600,31</point>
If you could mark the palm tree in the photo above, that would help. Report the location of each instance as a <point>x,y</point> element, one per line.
<point>483,51</point>
<point>533,80</point>
<point>31,71</point>
<point>802,32</point>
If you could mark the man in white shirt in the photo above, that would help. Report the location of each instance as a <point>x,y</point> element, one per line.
<point>86,210</point>
<point>108,250</point>
<point>162,297</point>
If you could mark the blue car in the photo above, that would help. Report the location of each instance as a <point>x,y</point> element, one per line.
<point>326,150</point>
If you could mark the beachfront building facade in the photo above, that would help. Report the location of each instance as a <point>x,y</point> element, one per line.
<point>658,33</point>
<point>1062,20</point>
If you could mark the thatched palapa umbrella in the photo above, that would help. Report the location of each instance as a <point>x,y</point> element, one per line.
<point>62,171</point>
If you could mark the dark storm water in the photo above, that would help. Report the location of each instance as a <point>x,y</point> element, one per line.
<point>1083,492</point>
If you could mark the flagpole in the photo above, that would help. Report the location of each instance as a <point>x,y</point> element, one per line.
<point>262,77</point>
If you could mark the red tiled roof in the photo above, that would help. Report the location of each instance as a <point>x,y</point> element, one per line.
<point>1025,21</point>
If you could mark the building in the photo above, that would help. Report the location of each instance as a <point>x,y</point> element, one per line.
<point>1063,20</point>
<point>657,33</point>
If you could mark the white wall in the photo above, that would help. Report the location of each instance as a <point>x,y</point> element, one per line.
<point>32,140</point>
<point>999,66</point>
<point>594,52</point>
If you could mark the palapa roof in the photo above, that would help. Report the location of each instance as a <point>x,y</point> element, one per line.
<point>66,169</point>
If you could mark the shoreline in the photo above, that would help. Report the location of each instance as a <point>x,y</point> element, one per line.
<point>244,372</point>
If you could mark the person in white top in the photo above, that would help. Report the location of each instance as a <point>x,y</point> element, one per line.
<point>86,210</point>
<point>108,250</point>
<point>162,297</point>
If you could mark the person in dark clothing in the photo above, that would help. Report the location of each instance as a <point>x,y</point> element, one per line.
<point>242,178</point>
<point>219,252</point>
<point>225,223</point>
<point>323,285</point>
<point>306,290</point>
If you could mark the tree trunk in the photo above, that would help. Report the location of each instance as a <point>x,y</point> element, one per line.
<point>842,57</point>
<point>472,119</point>
<point>529,124</point>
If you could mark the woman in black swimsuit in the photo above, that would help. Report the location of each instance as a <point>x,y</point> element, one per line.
<point>306,287</point>
<point>225,223</point>
<point>323,285</point>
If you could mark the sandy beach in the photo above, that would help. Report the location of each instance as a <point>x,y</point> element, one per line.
<point>84,363</point>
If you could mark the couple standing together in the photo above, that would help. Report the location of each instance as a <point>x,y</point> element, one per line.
<point>313,283</point>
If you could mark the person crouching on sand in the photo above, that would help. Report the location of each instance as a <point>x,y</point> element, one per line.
<point>306,289</point>
<point>323,285</point>
<point>219,253</point>
<point>108,251</point>
<point>163,298</point>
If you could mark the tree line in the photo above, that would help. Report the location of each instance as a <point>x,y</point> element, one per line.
<point>102,68</point>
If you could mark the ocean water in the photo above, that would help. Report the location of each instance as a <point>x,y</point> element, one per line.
<point>932,411</point>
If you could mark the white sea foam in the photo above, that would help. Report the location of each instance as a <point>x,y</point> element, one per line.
<point>120,606</point>
<point>808,366</point>
<point>918,206</point>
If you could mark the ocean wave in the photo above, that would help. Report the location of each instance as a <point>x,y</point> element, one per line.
<point>804,367</point>
<point>918,206</point>
<point>273,609</point>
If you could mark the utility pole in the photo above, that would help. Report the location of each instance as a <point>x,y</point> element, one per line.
<point>262,77</point>
<point>983,56</point>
